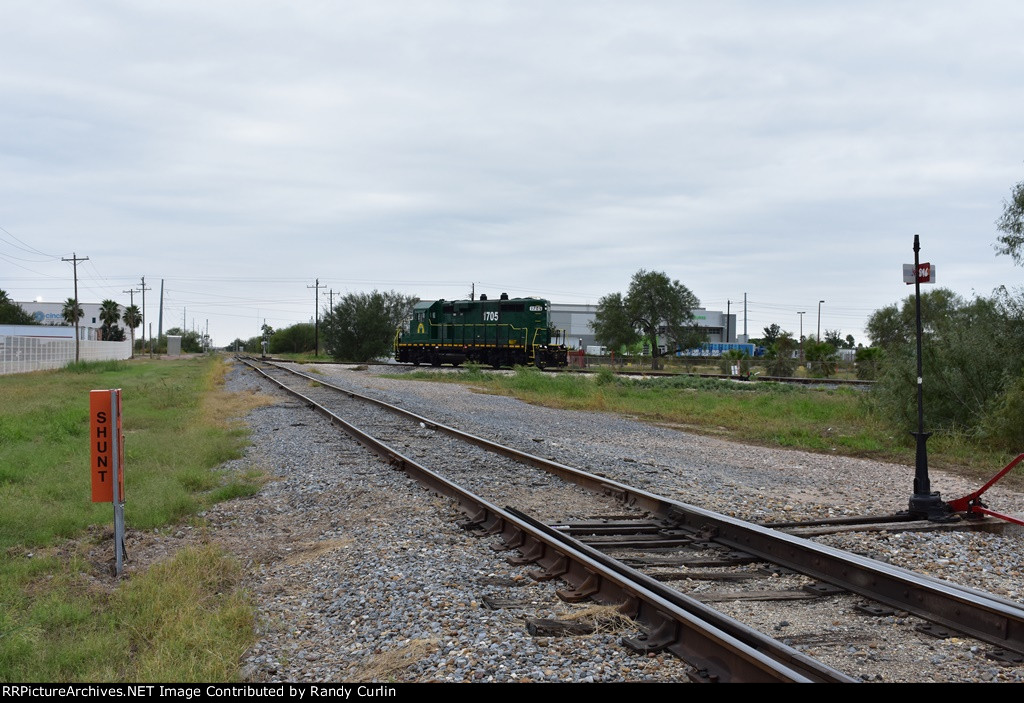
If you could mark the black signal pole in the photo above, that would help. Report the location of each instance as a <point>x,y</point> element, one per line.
<point>924,502</point>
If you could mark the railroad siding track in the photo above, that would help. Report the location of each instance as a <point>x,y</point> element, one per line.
<point>665,553</point>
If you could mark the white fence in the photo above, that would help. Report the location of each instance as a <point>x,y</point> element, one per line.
<point>23,354</point>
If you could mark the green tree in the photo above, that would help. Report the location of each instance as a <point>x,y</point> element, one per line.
<point>253,345</point>
<point>868,361</point>
<point>132,318</point>
<point>895,326</point>
<point>362,326</point>
<point>298,338</point>
<point>656,308</point>
<point>612,325</point>
<point>821,357</point>
<point>13,314</point>
<point>1011,224</point>
<point>110,313</point>
<point>779,359</point>
<point>771,333</point>
<point>971,362</point>
<point>191,341</point>
<point>72,312</point>
<point>834,338</point>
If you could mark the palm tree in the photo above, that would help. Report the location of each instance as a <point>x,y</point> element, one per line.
<point>72,312</point>
<point>132,318</point>
<point>110,313</point>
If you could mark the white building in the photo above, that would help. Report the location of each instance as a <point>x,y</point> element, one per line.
<point>576,319</point>
<point>52,314</point>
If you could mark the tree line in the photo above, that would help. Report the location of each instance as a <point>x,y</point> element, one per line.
<point>359,327</point>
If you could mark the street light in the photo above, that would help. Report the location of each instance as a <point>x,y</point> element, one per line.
<point>819,319</point>
<point>801,314</point>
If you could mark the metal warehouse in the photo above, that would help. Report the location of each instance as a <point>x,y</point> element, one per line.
<point>576,319</point>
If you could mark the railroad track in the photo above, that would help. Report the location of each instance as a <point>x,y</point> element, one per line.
<point>617,544</point>
<point>792,380</point>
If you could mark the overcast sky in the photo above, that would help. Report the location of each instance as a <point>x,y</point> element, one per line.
<point>238,152</point>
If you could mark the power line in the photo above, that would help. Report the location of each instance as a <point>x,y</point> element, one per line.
<point>27,247</point>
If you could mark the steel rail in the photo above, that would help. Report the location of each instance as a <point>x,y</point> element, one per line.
<point>691,605</point>
<point>853,382</point>
<point>715,653</point>
<point>985,616</point>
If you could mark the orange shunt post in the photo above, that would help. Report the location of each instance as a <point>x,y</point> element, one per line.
<point>102,433</point>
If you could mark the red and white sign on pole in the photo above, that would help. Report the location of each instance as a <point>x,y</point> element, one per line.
<point>922,273</point>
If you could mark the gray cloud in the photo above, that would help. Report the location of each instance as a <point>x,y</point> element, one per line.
<point>789,151</point>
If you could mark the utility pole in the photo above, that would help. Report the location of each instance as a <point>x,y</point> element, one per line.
<point>74,264</point>
<point>801,314</point>
<point>745,336</point>
<point>131,302</point>
<point>317,288</point>
<point>144,289</point>
<point>819,320</point>
<point>728,306</point>
<point>160,318</point>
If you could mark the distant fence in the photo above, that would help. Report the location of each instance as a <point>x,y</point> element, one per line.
<point>24,354</point>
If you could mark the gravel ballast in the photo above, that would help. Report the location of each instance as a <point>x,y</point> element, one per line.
<point>359,574</point>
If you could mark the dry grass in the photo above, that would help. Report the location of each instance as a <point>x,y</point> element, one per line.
<point>225,409</point>
<point>383,664</point>
<point>605,619</point>
<point>314,550</point>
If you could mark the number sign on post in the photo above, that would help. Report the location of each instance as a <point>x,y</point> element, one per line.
<point>925,273</point>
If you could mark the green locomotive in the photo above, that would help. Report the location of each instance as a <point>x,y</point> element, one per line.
<point>504,332</point>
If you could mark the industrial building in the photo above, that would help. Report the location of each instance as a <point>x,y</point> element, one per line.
<point>51,314</point>
<point>575,320</point>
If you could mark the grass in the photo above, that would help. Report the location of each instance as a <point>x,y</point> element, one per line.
<point>63,617</point>
<point>837,421</point>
